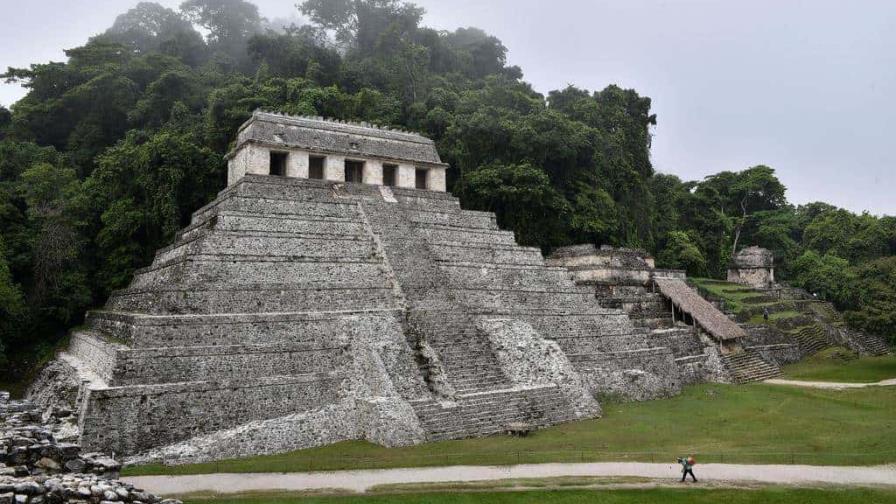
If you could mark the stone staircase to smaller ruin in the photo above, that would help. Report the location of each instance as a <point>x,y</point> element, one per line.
<point>748,366</point>
<point>651,317</point>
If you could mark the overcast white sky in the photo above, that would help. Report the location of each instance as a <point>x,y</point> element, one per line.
<point>806,87</point>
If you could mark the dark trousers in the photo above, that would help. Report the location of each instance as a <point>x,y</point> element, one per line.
<point>685,474</point>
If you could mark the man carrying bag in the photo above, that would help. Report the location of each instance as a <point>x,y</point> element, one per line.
<point>687,467</point>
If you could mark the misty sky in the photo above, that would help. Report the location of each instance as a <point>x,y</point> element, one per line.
<point>806,87</point>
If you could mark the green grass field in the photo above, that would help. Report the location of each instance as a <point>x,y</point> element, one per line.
<point>830,365</point>
<point>733,294</point>
<point>755,423</point>
<point>579,496</point>
<point>774,317</point>
<point>739,298</point>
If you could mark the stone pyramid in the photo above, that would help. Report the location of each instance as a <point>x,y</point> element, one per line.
<point>295,311</point>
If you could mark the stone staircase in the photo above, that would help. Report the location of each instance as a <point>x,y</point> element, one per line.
<point>472,267</point>
<point>811,339</point>
<point>464,352</point>
<point>869,344</point>
<point>444,257</point>
<point>748,366</point>
<point>486,413</point>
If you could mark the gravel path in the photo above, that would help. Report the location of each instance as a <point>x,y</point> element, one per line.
<point>831,385</point>
<point>361,481</point>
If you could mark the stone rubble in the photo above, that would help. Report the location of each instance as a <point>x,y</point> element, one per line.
<point>37,469</point>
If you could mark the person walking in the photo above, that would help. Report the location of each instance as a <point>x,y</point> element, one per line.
<point>687,467</point>
<point>765,314</point>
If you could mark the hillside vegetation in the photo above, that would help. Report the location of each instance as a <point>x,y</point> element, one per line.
<point>111,150</point>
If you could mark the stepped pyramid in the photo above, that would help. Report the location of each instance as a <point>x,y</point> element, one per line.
<point>334,291</point>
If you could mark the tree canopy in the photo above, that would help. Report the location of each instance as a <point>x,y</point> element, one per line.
<point>111,150</point>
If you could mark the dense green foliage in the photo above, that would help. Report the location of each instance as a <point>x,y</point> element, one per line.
<point>110,151</point>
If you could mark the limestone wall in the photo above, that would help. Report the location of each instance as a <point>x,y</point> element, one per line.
<point>702,367</point>
<point>753,266</point>
<point>143,331</point>
<point>251,159</point>
<point>773,345</point>
<point>636,375</point>
<point>758,278</point>
<point>300,137</point>
<point>530,360</point>
<point>133,419</point>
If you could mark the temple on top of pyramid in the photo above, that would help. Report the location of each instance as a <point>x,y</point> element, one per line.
<point>315,148</point>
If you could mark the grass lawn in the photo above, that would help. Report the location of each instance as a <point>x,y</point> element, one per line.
<point>603,496</point>
<point>829,365</point>
<point>772,317</point>
<point>754,423</point>
<point>732,293</point>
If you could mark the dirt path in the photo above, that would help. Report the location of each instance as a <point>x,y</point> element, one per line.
<point>831,385</point>
<point>361,481</point>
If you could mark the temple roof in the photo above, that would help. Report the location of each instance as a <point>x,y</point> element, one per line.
<point>702,311</point>
<point>316,134</point>
<point>753,257</point>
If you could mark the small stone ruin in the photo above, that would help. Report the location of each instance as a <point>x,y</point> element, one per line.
<point>754,267</point>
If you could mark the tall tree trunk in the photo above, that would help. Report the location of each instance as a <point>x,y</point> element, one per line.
<point>740,226</point>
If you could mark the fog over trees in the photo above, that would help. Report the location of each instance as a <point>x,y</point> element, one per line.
<point>109,152</point>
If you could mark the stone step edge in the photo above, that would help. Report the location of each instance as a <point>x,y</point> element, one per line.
<point>210,350</point>
<point>224,258</point>
<point>210,385</point>
<point>598,336</point>
<point>487,246</point>
<point>622,353</point>
<point>228,284</point>
<point>207,233</point>
<point>504,391</point>
<point>225,212</point>
<point>687,359</point>
<point>429,226</point>
<point>237,318</point>
<point>263,287</point>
